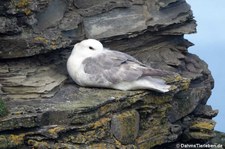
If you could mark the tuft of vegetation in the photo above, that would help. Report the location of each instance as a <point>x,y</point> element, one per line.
<point>3,108</point>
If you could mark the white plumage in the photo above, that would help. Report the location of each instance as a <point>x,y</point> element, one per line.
<point>92,65</point>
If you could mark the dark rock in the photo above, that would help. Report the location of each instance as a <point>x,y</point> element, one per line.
<point>164,3</point>
<point>19,122</point>
<point>179,13</point>
<point>218,141</point>
<point>87,3</point>
<point>125,126</point>
<point>127,20</point>
<point>46,109</point>
<point>14,47</point>
<point>185,102</point>
<point>9,26</point>
<point>105,7</point>
<point>205,111</point>
<point>176,129</point>
<point>30,80</point>
<point>70,21</point>
<point>51,15</point>
<point>38,22</point>
<point>3,108</point>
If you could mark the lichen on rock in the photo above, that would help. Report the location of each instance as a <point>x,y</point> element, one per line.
<point>3,108</point>
<point>46,109</point>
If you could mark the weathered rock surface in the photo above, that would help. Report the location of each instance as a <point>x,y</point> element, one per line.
<point>44,26</point>
<point>48,110</point>
<point>218,140</point>
<point>125,126</point>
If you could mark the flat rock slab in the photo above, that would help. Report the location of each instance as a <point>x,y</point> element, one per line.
<point>121,20</point>
<point>79,113</point>
<point>63,108</point>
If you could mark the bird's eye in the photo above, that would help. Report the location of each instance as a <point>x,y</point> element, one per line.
<point>91,48</point>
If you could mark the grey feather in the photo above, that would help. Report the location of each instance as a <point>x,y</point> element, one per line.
<point>114,67</point>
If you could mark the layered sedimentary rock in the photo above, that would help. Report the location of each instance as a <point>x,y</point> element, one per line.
<point>48,110</point>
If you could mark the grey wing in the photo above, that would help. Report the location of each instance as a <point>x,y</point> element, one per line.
<point>124,57</point>
<point>127,71</point>
<point>114,67</point>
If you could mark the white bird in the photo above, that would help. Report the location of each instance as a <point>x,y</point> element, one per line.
<point>92,65</point>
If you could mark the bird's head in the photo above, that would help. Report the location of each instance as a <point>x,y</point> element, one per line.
<point>88,47</point>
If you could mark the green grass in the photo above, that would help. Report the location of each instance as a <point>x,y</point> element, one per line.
<point>3,108</point>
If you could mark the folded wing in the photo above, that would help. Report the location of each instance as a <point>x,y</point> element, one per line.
<point>117,67</point>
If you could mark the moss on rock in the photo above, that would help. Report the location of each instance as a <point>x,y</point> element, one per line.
<point>3,108</point>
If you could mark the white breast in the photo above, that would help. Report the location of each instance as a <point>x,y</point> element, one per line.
<point>75,69</point>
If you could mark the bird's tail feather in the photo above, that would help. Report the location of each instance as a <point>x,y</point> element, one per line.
<point>154,84</point>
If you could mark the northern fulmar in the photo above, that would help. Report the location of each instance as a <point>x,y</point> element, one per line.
<point>92,65</point>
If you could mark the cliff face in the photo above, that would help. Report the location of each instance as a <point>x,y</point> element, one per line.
<point>47,110</point>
